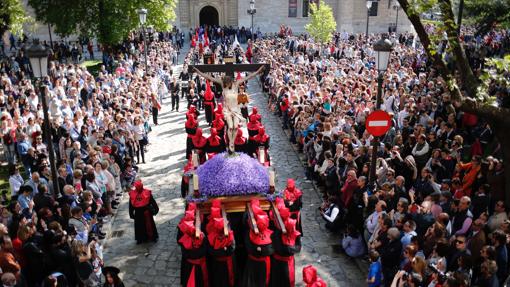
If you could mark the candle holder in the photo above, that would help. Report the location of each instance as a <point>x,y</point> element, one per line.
<point>194,159</point>
<point>196,192</point>
<point>271,180</point>
<point>262,155</point>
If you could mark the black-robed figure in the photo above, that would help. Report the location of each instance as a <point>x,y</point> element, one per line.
<point>221,253</point>
<point>253,129</point>
<point>282,261</point>
<point>142,208</point>
<point>191,126</point>
<point>293,200</point>
<point>194,250</point>
<point>214,144</point>
<point>240,144</point>
<point>259,248</point>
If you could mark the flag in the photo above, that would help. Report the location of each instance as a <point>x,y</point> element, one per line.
<point>236,43</point>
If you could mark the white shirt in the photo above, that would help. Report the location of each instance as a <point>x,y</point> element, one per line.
<point>333,213</point>
<point>371,222</point>
<point>15,182</point>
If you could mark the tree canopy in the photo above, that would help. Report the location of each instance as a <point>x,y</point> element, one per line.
<point>108,20</point>
<point>469,90</point>
<point>322,23</point>
<point>486,14</point>
<point>12,16</point>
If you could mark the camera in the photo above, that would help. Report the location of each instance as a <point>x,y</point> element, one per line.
<point>441,276</point>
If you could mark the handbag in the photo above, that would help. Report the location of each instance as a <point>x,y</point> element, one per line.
<point>144,140</point>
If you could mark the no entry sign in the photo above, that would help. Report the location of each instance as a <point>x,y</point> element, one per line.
<point>378,123</point>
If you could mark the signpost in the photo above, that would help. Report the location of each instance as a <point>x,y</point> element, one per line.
<point>378,123</point>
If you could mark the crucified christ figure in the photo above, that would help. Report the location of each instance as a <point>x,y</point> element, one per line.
<point>231,109</point>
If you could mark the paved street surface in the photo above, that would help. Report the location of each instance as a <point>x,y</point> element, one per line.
<point>158,264</point>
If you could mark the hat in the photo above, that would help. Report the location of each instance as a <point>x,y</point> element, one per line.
<point>310,277</point>
<point>191,206</point>
<point>289,238</point>
<point>264,235</point>
<point>111,270</point>
<point>189,215</point>
<point>291,183</point>
<point>284,213</point>
<point>279,202</point>
<point>216,203</point>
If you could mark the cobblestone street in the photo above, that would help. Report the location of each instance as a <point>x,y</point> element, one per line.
<point>158,264</point>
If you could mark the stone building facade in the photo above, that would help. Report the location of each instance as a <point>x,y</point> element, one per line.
<point>351,15</point>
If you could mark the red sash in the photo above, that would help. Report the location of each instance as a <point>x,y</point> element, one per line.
<point>230,266</point>
<point>290,264</point>
<point>148,224</point>
<point>202,263</point>
<point>265,259</point>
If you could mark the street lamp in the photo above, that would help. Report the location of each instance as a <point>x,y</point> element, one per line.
<point>369,5</point>
<point>142,15</point>
<point>383,49</point>
<point>38,56</point>
<point>252,12</point>
<point>397,8</point>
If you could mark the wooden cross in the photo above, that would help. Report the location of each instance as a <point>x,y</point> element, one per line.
<point>228,68</point>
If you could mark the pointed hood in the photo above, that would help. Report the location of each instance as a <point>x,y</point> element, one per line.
<point>239,140</point>
<point>199,140</point>
<point>208,95</point>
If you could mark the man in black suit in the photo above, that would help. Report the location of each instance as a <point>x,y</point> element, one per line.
<point>390,256</point>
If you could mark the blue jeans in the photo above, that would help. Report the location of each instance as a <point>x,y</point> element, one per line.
<point>10,153</point>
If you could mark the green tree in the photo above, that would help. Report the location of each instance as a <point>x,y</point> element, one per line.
<point>485,14</point>
<point>322,22</point>
<point>12,16</point>
<point>108,20</point>
<point>469,93</point>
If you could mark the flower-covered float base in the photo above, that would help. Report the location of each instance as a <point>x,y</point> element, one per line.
<point>235,179</point>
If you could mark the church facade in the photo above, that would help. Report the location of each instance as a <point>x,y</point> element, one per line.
<point>351,15</point>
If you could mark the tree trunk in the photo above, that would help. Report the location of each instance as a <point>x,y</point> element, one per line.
<point>468,80</point>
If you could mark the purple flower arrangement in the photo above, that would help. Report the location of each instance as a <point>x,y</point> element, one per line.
<point>235,174</point>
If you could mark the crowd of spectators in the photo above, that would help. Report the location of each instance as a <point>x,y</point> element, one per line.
<point>437,212</point>
<point>99,125</point>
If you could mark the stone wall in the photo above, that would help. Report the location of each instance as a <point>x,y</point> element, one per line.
<point>351,16</point>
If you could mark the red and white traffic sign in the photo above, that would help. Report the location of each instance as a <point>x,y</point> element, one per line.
<point>378,123</point>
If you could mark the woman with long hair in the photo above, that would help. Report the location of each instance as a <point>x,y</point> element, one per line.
<point>140,138</point>
<point>112,279</point>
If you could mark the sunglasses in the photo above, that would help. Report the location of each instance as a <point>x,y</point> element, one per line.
<point>459,241</point>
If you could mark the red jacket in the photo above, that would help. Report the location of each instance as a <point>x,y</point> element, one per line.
<point>347,191</point>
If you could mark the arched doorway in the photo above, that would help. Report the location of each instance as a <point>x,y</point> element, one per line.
<point>209,16</point>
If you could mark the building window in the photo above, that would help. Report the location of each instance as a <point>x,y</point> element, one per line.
<point>374,8</point>
<point>293,8</point>
<point>306,7</point>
